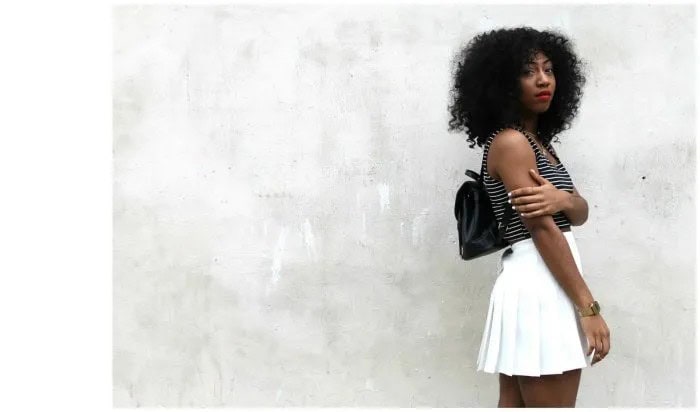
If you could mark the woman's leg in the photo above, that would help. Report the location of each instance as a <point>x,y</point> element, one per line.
<point>550,390</point>
<point>509,393</point>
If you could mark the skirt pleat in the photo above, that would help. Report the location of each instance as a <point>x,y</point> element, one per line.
<point>532,327</point>
<point>509,327</point>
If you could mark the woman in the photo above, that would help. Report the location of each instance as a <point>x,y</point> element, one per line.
<point>514,91</point>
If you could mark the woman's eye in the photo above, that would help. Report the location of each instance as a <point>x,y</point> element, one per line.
<point>550,69</point>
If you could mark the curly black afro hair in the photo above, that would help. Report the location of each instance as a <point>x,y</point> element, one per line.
<point>486,82</point>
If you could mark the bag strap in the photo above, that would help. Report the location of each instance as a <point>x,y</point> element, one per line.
<point>509,210</point>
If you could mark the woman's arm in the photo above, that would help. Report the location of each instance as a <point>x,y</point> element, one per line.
<point>546,199</point>
<point>513,158</point>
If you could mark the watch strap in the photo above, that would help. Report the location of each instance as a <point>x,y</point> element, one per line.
<point>592,309</point>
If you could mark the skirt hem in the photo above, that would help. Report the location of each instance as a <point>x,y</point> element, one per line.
<point>531,373</point>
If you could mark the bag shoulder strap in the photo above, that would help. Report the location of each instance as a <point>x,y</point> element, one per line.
<point>486,149</point>
<point>503,225</point>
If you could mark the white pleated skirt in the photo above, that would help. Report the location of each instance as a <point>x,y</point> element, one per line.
<point>532,326</point>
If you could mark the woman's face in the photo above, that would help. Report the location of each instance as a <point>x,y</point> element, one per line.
<point>537,84</point>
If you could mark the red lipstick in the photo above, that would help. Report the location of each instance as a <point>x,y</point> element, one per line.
<point>544,95</point>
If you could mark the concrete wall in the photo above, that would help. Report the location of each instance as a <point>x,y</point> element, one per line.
<point>283,192</point>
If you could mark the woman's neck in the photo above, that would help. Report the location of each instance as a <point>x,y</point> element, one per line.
<point>530,124</point>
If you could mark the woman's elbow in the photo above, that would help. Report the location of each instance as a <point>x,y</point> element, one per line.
<point>580,220</point>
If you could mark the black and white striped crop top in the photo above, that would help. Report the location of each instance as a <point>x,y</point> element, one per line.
<point>498,195</point>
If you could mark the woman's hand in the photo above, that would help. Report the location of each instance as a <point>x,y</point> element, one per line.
<point>544,199</point>
<point>598,336</point>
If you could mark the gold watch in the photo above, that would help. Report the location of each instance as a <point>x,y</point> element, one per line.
<point>592,309</point>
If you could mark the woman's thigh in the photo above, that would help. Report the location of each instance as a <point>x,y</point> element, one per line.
<point>550,390</point>
<point>509,396</point>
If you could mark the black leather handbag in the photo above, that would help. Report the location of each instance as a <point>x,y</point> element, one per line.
<point>479,232</point>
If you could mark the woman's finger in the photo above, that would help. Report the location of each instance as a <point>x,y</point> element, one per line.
<point>537,176</point>
<point>524,191</point>
<point>540,179</point>
<point>538,212</point>
<point>596,349</point>
<point>530,207</point>
<point>523,200</point>
<point>531,215</point>
<point>606,346</point>
<point>591,345</point>
<point>599,350</point>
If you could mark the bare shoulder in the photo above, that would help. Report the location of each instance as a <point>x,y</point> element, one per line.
<point>509,148</point>
<point>508,140</point>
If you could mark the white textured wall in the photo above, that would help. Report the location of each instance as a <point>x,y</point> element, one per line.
<point>283,192</point>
